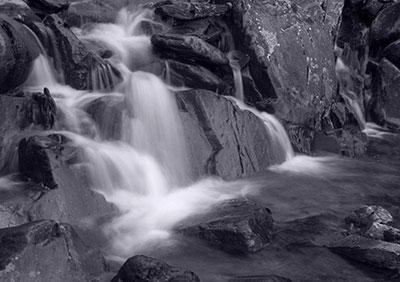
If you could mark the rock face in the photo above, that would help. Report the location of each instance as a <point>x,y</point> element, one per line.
<point>386,26</point>
<point>145,269</point>
<point>235,226</point>
<point>376,253</point>
<point>220,136</point>
<point>291,49</point>
<point>74,60</point>
<point>18,49</point>
<point>27,251</point>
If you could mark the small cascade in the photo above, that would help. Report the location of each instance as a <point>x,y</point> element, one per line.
<point>42,73</point>
<point>234,62</point>
<point>102,77</point>
<point>283,149</point>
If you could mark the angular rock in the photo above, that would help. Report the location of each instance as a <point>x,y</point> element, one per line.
<point>392,53</point>
<point>145,269</point>
<point>18,49</point>
<point>222,139</point>
<point>46,7</point>
<point>37,156</point>
<point>80,67</point>
<point>205,29</point>
<point>270,278</point>
<point>373,252</point>
<point>367,215</point>
<point>235,226</point>
<point>382,232</point>
<point>191,48</point>
<point>189,11</point>
<point>290,44</point>
<point>28,250</point>
<point>386,26</point>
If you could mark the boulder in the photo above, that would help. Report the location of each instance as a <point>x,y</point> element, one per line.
<point>386,26</point>
<point>82,69</point>
<point>290,44</point>
<point>18,49</point>
<point>382,232</point>
<point>392,53</point>
<point>235,226</point>
<point>370,251</point>
<point>367,215</point>
<point>206,29</point>
<point>38,155</point>
<point>145,269</point>
<point>223,139</point>
<point>47,7</point>
<point>28,250</point>
<point>18,10</point>
<point>190,11</point>
<point>190,48</point>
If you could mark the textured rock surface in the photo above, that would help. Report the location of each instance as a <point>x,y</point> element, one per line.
<point>367,215</point>
<point>236,226</point>
<point>28,250</point>
<point>386,26</point>
<point>145,269</point>
<point>376,253</point>
<point>43,7</point>
<point>18,49</point>
<point>190,11</point>
<point>260,279</point>
<point>222,139</point>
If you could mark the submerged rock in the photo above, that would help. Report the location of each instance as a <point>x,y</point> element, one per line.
<point>224,140</point>
<point>191,48</point>
<point>373,252</point>
<point>189,11</point>
<point>145,269</point>
<point>235,226</point>
<point>37,157</point>
<point>18,49</point>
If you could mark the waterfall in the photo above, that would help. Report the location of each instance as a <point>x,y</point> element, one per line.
<point>237,75</point>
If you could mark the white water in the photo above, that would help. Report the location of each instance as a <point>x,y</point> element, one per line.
<point>143,173</point>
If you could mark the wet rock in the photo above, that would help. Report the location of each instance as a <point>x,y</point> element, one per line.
<point>371,8</point>
<point>235,226</point>
<point>44,110</point>
<point>382,232</point>
<point>373,252</point>
<point>189,11</point>
<point>191,48</point>
<point>37,157</point>
<point>290,44</point>
<point>28,250</point>
<point>392,53</point>
<point>82,69</point>
<point>107,112</point>
<point>46,7</point>
<point>18,49</point>
<point>18,10</point>
<point>386,27</point>
<point>205,29</point>
<point>270,278</point>
<point>222,139</point>
<point>145,269</point>
<point>367,215</point>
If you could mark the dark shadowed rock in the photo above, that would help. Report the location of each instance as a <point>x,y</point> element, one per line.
<point>206,29</point>
<point>373,252</point>
<point>255,278</point>
<point>28,250</point>
<point>145,269</point>
<point>46,7</point>
<point>189,11</point>
<point>290,44</point>
<point>392,53</point>
<point>191,48</point>
<point>222,139</point>
<point>82,69</point>
<point>18,49</point>
<point>386,27</point>
<point>37,157</point>
<point>235,226</point>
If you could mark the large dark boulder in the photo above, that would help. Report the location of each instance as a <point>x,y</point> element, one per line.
<point>235,226</point>
<point>46,7</point>
<point>43,251</point>
<point>373,252</point>
<point>80,67</point>
<point>190,11</point>
<point>191,48</point>
<point>145,269</point>
<point>386,26</point>
<point>291,48</point>
<point>18,49</point>
<point>223,139</point>
<point>392,53</point>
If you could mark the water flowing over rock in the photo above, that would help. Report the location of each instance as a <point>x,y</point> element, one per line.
<point>145,269</point>
<point>18,49</point>
<point>235,226</point>
<point>220,136</point>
